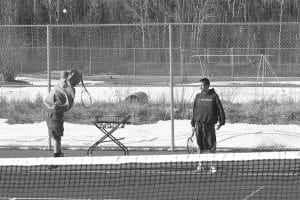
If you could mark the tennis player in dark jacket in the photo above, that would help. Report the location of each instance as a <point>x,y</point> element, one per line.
<point>208,116</point>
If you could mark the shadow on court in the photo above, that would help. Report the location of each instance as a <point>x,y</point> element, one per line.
<point>29,153</point>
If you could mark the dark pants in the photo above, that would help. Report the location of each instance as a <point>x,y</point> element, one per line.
<point>55,124</point>
<point>206,137</point>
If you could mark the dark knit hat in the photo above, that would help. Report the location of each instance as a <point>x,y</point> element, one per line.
<point>74,77</point>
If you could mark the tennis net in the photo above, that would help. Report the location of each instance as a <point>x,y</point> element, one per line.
<point>242,176</point>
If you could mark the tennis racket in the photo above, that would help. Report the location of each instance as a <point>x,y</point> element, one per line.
<point>86,99</point>
<point>191,145</point>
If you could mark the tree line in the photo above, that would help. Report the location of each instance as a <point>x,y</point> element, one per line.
<point>36,12</point>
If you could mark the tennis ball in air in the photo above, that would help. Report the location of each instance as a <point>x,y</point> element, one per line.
<point>64,11</point>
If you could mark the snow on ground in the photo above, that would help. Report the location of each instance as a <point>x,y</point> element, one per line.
<point>154,135</point>
<point>44,82</point>
<point>234,94</point>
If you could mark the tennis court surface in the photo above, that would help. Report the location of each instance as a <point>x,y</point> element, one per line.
<point>242,176</point>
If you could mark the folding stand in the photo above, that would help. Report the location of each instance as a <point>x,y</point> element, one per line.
<point>103,123</point>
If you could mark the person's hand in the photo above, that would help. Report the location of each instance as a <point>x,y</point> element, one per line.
<point>218,127</point>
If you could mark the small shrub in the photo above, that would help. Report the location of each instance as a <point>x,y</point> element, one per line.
<point>159,114</point>
<point>74,116</point>
<point>8,65</point>
<point>294,116</point>
<point>8,75</point>
<point>143,115</point>
<point>99,109</point>
<point>17,118</point>
<point>39,100</point>
<point>3,107</point>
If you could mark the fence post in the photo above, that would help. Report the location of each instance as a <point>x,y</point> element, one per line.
<point>171,89</point>
<point>90,51</point>
<point>232,61</point>
<point>134,67</point>
<point>49,75</point>
<point>181,54</point>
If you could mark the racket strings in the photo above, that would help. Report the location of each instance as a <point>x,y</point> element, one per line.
<point>192,145</point>
<point>86,99</point>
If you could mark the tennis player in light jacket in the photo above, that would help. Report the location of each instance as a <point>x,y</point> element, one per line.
<point>58,101</point>
<point>207,112</point>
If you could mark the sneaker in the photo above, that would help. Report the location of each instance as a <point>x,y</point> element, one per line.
<point>61,154</point>
<point>212,169</point>
<point>53,167</point>
<point>200,168</point>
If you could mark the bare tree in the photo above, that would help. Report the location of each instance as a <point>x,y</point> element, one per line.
<point>54,9</point>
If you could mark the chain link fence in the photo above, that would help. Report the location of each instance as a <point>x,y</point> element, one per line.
<point>252,67</point>
<point>218,49</point>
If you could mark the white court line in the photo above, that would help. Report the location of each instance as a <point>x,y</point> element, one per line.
<point>20,198</point>
<point>36,198</point>
<point>171,185</point>
<point>253,193</point>
<point>165,172</point>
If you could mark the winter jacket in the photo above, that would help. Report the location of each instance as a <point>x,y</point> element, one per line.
<point>208,109</point>
<point>61,98</point>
